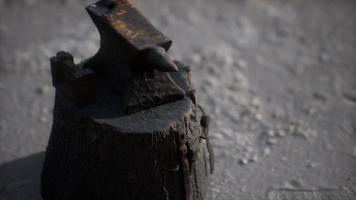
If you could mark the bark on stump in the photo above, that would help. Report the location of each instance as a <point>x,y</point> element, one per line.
<point>94,155</point>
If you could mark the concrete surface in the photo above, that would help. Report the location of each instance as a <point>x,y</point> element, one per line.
<point>277,76</point>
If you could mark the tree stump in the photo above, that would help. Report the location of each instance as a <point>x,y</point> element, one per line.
<point>93,154</point>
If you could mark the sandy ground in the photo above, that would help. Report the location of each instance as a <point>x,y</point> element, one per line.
<point>277,77</point>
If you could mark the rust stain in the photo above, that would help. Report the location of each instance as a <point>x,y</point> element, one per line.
<point>128,22</point>
<point>120,12</point>
<point>128,30</point>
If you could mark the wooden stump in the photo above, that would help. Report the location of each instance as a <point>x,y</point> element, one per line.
<point>94,154</point>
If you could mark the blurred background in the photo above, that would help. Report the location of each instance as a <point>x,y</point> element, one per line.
<point>276,76</point>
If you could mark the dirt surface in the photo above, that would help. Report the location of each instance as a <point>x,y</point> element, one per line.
<point>277,77</point>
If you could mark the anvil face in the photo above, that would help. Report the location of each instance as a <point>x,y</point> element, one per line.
<point>129,24</point>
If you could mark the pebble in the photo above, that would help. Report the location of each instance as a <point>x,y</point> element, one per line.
<point>259,116</point>
<point>292,184</point>
<point>242,64</point>
<point>305,133</point>
<point>266,151</point>
<point>311,165</point>
<point>272,141</point>
<point>310,111</point>
<point>324,56</point>
<point>271,133</point>
<point>43,119</point>
<point>291,128</point>
<point>43,89</point>
<point>243,161</point>
<point>256,102</point>
<point>254,158</point>
<point>196,58</point>
<point>280,133</point>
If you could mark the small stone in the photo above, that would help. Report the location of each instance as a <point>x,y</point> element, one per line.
<point>266,151</point>
<point>272,141</point>
<point>254,158</point>
<point>310,111</point>
<point>256,102</point>
<point>196,58</point>
<point>243,161</point>
<point>43,89</point>
<point>324,56</point>
<point>311,165</point>
<point>43,119</point>
<point>259,116</point>
<point>280,133</point>
<point>241,64</point>
<point>291,129</point>
<point>305,133</point>
<point>271,133</point>
<point>292,184</point>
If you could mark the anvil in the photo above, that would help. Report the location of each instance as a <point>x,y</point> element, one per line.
<point>123,27</point>
<point>132,61</point>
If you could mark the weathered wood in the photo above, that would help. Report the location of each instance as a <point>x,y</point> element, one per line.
<point>96,152</point>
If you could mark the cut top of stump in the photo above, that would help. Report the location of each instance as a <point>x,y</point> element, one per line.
<point>151,120</point>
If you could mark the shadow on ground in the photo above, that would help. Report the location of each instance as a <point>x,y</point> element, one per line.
<point>20,179</point>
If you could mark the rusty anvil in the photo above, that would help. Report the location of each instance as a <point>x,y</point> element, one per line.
<point>132,62</point>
